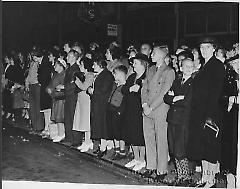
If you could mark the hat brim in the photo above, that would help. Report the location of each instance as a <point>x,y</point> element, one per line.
<point>139,58</point>
<point>207,39</point>
<point>233,58</point>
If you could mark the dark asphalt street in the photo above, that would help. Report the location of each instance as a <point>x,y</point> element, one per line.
<point>31,158</point>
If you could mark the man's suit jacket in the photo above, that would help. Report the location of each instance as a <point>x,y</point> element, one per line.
<point>155,86</point>
<point>179,112</point>
<point>69,80</point>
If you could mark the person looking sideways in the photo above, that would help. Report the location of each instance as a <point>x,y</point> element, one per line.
<point>132,51</point>
<point>147,50</point>
<point>175,64</point>
<point>58,96</point>
<point>100,92</point>
<point>197,59</point>
<point>113,54</point>
<point>66,47</point>
<point>51,58</point>
<point>81,121</point>
<point>80,49</point>
<point>220,54</point>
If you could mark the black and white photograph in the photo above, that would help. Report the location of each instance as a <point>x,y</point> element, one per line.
<point>120,94</point>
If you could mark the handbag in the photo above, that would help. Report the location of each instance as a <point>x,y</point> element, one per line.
<point>59,95</point>
<point>212,126</point>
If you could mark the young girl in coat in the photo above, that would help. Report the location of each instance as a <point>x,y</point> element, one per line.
<point>179,99</point>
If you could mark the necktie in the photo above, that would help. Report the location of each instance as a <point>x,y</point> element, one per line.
<point>183,80</point>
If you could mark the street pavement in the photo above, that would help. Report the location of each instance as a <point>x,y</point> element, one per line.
<point>31,158</point>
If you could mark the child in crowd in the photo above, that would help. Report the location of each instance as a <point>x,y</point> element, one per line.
<point>115,109</point>
<point>179,99</point>
<point>57,113</point>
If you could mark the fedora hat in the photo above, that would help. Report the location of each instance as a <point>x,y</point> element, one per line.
<point>207,39</point>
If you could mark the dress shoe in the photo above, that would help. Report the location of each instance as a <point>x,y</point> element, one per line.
<point>87,147</point>
<point>148,173</point>
<point>59,138</point>
<point>160,178</point>
<point>101,153</point>
<point>45,132</point>
<point>139,165</point>
<point>110,145</point>
<point>82,146</point>
<point>131,163</point>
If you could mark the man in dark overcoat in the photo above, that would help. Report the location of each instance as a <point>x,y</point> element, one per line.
<point>204,142</point>
<point>71,94</point>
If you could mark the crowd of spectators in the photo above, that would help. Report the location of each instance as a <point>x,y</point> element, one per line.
<point>157,106</point>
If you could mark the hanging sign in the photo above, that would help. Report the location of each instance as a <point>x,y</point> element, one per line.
<point>112,30</point>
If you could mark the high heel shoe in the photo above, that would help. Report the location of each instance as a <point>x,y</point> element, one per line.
<point>87,147</point>
<point>102,153</point>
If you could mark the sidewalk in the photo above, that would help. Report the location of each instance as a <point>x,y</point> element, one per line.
<point>119,164</point>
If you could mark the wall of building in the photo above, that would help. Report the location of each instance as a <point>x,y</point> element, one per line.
<point>45,23</point>
<point>216,19</point>
<point>157,22</point>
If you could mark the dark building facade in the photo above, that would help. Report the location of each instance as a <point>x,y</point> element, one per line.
<point>181,23</point>
<point>49,23</point>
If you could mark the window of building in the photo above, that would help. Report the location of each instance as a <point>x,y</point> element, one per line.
<point>218,19</point>
<point>195,22</point>
<point>235,18</point>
